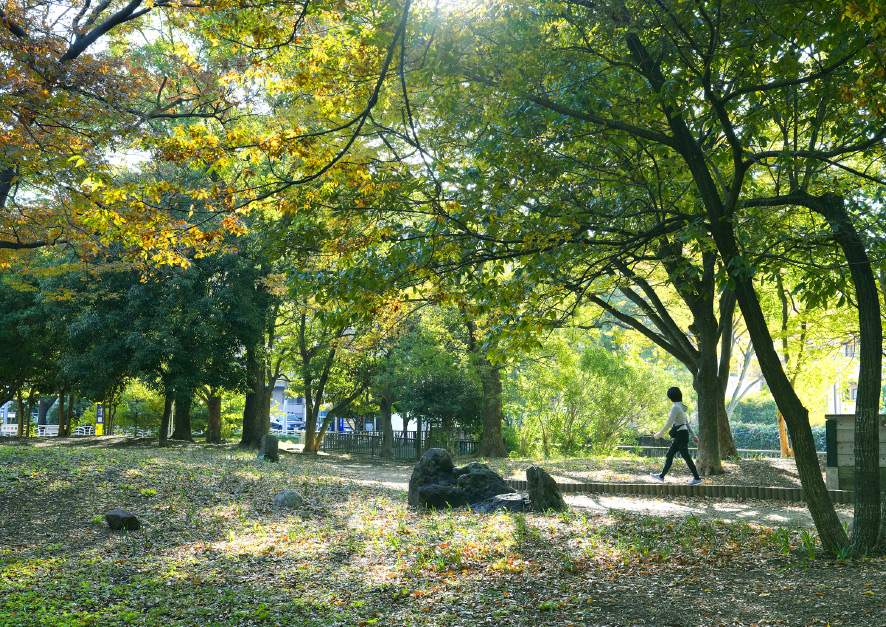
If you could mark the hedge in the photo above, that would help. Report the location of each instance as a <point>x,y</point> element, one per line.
<point>756,436</point>
<point>755,410</point>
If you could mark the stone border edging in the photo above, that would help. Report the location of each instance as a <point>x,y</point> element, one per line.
<point>705,490</point>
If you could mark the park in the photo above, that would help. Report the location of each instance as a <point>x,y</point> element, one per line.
<point>214,550</point>
<point>262,262</point>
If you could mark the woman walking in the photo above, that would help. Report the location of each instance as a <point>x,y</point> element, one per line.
<point>677,427</point>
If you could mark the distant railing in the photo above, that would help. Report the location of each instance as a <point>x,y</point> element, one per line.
<point>369,443</point>
<point>661,451</point>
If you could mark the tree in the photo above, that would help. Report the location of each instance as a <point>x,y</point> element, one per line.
<point>583,392</point>
<point>743,105</point>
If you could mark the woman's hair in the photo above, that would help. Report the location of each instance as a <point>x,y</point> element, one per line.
<point>675,394</point>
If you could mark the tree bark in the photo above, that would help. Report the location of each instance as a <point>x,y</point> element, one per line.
<point>783,441</point>
<point>164,420</point>
<point>492,443</point>
<point>385,408</point>
<point>20,409</point>
<point>253,417</point>
<point>43,409</point>
<point>706,383</point>
<point>182,418</point>
<point>62,416</point>
<point>726,331</point>
<point>213,426</point>
<point>867,517</point>
<point>70,410</point>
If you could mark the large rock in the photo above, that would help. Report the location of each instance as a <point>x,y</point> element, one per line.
<point>118,519</point>
<point>434,468</point>
<point>436,483</point>
<point>543,491</point>
<point>269,449</point>
<point>481,482</point>
<point>288,499</point>
<point>440,496</point>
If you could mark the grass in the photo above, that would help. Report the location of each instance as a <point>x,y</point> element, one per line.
<point>213,551</point>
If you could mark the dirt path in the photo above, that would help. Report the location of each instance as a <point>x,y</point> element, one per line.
<point>395,475</point>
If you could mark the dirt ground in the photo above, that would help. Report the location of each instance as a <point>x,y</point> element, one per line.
<point>610,561</point>
<point>770,472</point>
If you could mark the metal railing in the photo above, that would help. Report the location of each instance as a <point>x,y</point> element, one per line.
<point>369,443</point>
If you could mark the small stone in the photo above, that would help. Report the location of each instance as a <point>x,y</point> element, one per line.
<point>288,498</point>
<point>543,491</point>
<point>121,519</point>
<point>269,449</point>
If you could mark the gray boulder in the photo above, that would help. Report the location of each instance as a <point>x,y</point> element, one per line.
<point>436,483</point>
<point>481,482</point>
<point>269,449</point>
<point>434,468</point>
<point>543,491</point>
<point>288,499</point>
<point>118,519</point>
<point>441,496</point>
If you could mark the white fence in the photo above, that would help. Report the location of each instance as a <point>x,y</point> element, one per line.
<point>46,430</point>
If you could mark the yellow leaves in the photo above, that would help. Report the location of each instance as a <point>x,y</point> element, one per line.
<point>93,182</point>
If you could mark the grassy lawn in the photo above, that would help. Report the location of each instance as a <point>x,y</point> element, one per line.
<point>213,551</point>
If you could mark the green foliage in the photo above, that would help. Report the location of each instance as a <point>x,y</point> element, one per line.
<point>760,410</point>
<point>580,394</point>
<point>765,436</point>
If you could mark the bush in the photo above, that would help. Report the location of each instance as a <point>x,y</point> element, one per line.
<point>758,410</point>
<point>765,437</point>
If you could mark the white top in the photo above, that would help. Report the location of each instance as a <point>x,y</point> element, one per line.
<point>678,417</point>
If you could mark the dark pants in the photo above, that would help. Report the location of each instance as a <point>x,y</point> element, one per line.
<point>680,444</point>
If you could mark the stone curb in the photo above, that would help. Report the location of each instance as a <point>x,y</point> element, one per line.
<point>705,490</point>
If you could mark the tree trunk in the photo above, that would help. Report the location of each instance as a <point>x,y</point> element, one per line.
<point>110,415</point>
<point>492,443</point>
<point>253,417</point>
<point>726,331</point>
<point>164,420</point>
<point>707,386</point>
<point>62,416</point>
<point>70,412</point>
<point>419,445</point>
<point>385,408</point>
<point>783,441</point>
<point>213,422</point>
<point>43,409</point>
<point>828,524</point>
<point>312,443</point>
<point>182,418</point>
<point>20,409</point>
<point>867,517</point>
<point>728,450</point>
